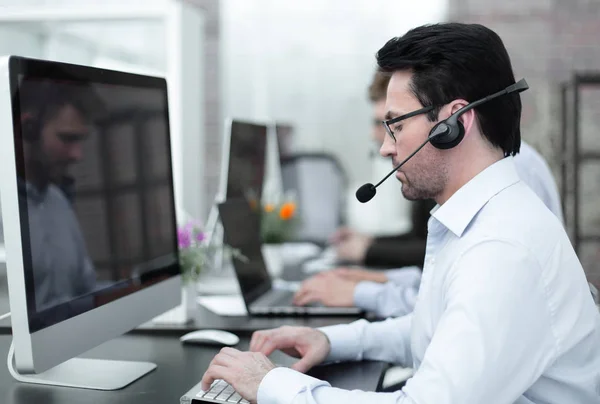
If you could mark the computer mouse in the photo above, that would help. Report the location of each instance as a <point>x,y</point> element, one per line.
<point>210,337</point>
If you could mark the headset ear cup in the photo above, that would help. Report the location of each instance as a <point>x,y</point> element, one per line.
<point>459,129</point>
<point>454,134</point>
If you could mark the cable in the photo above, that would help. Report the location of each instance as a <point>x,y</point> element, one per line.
<point>7,315</point>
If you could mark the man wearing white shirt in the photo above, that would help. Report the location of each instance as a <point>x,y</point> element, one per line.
<point>504,313</point>
<point>393,292</point>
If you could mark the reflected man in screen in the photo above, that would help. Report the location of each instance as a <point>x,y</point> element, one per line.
<point>55,120</point>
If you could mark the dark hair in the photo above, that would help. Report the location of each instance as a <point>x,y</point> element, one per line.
<point>453,60</point>
<point>43,99</point>
<point>378,87</point>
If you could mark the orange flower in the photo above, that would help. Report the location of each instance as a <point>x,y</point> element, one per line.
<point>287,211</point>
<point>269,207</point>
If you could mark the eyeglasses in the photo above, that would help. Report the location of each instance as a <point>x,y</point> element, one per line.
<point>392,121</point>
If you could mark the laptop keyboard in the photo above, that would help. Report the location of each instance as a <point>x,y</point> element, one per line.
<point>221,392</point>
<point>281,298</point>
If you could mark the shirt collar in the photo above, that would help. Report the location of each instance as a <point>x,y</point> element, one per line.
<point>461,208</point>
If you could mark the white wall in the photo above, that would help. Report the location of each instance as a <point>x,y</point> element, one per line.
<point>139,46</point>
<point>309,62</point>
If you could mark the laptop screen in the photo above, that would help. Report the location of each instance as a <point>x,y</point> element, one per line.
<point>241,229</point>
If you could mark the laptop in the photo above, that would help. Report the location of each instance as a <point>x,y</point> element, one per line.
<point>241,229</point>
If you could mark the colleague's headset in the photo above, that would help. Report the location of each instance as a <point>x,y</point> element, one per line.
<point>446,134</point>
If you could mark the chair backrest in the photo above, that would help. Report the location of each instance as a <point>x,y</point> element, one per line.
<point>320,184</point>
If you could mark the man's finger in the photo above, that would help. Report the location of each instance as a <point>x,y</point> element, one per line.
<point>257,340</point>
<point>307,298</point>
<point>224,360</point>
<point>304,289</point>
<point>214,372</point>
<point>301,297</point>
<point>304,364</point>
<point>232,352</point>
<point>267,348</point>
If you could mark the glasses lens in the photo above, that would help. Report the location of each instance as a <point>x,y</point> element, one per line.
<point>389,130</point>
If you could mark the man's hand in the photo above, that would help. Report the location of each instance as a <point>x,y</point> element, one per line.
<point>308,344</point>
<point>350,245</point>
<point>359,275</point>
<point>326,288</point>
<point>340,235</point>
<point>243,370</point>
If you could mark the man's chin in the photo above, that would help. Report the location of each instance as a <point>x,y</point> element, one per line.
<point>409,193</point>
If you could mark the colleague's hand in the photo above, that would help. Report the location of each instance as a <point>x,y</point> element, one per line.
<point>310,345</point>
<point>243,370</point>
<point>352,246</point>
<point>340,234</point>
<point>328,289</point>
<point>359,275</point>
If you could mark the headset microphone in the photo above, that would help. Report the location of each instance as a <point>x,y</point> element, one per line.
<point>366,192</point>
<point>444,135</point>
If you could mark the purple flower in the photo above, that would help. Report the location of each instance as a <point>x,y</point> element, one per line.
<point>184,238</point>
<point>200,236</point>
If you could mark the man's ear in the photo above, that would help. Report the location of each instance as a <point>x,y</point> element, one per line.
<point>468,119</point>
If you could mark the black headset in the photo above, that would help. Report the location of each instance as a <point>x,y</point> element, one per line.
<point>444,135</point>
<point>450,132</point>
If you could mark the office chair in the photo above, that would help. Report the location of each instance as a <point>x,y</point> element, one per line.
<point>320,183</point>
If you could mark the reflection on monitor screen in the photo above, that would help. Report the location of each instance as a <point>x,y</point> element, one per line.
<point>247,154</point>
<point>95,193</point>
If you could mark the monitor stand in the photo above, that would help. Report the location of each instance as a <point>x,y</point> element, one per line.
<point>94,374</point>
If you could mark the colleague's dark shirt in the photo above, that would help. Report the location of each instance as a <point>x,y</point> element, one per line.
<point>404,249</point>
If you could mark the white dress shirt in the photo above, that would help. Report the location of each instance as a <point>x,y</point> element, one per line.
<point>395,298</point>
<point>504,313</point>
<point>398,296</point>
<point>534,171</point>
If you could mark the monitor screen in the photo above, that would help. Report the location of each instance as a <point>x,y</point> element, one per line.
<point>285,139</point>
<point>247,154</point>
<point>95,187</point>
<point>241,229</point>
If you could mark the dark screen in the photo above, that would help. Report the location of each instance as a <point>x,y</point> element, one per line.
<point>285,139</point>
<point>95,186</point>
<point>247,151</point>
<point>241,228</point>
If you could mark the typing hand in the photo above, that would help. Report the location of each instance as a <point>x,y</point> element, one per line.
<point>243,370</point>
<point>353,247</point>
<point>328,289</point>
<point>359,275</point>
<point>308,344</point>
<point>340,235</point>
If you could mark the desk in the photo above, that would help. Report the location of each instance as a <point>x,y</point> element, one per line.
<point>180,367</point>
<point>206,319</point>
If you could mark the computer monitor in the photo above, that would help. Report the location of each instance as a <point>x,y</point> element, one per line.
<point>285,138</point>
<point>88,213</point>
<point>246,160</point>
<point>243,166</point>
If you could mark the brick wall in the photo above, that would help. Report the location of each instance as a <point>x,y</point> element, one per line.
<point>547,41</point>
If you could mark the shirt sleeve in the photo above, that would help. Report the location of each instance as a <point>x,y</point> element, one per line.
<point>390,299</point>
<point>387,341</point>
<point>492,342</point>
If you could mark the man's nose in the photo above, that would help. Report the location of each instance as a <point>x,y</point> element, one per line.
<point>388,147</point>
<point>76,152</point>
